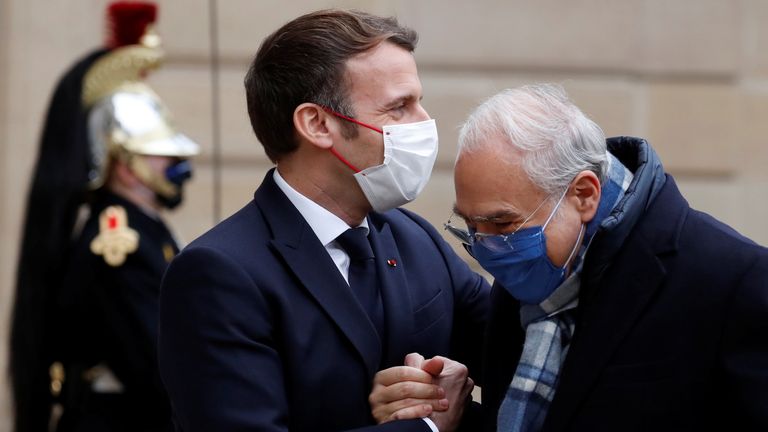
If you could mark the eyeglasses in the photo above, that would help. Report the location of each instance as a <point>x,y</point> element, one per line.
<point>494,242</point>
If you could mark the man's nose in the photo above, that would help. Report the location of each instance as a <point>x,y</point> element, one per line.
<point>421,114</point>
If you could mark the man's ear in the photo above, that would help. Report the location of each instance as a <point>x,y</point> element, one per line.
<point>313,125</point>
<point>586,188</point>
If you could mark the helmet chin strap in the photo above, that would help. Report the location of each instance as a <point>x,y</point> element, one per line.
<point>155,181</point>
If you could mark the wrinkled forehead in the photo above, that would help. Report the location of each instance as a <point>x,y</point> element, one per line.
<point>488,182</point>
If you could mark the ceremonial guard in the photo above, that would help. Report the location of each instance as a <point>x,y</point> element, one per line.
<point>94,244</point>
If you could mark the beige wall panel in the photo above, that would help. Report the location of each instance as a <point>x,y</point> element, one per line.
<point>698,36</point>
<point>184,28</point>
<point>238,139</point>
<point>612,104</point>
<point>694,126</point>
<point>723,199</point>
<point>738,202</point>
<point>755,37</point>
<point>656,36</point>
<point>753,127</point>
<point>6,251</point>
<point>243,24</point>
<point>196,214</point>
<point>755,210</point>
<point>449,99</point>
<point>548,33</point>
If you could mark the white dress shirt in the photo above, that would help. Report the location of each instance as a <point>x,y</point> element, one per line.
<point>326,225</point>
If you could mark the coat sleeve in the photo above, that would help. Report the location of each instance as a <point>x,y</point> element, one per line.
<point>218,356</point>
<point>745,348</point>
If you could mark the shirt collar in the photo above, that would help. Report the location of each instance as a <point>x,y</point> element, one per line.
<point>326,225</point>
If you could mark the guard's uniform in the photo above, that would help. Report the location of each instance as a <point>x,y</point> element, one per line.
<point>109,342</point>
<point>84,328</point>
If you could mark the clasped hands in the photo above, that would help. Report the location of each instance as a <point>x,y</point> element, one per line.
<point>436,388</point>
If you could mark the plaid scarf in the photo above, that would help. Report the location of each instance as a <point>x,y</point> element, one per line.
<point>549,327</point>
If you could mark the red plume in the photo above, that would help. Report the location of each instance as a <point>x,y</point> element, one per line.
<point>127,21</point>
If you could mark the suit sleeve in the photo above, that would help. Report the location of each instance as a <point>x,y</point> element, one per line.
<point>218,356</point>
<point>745,349</point>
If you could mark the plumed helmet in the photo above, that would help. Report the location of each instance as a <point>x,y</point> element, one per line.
<point>132,120</point>
<point>125,116</point>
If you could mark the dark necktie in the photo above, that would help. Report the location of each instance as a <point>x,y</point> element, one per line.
<point>362,274</point>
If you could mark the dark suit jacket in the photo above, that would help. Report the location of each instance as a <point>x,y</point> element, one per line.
<point>259,330</point>
<point>674,336</point>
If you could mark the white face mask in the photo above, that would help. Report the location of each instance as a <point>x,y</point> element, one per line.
<point>410,151</point>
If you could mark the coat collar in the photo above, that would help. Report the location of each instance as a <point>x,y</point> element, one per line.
<point>611,309</point>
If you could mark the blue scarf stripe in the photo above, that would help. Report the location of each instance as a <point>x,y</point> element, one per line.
<point>532,372</point>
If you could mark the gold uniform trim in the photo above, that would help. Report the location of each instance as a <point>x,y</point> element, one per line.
<point>118,67</point>
<point>168,252</point>
<point>116,239</point>
<point>56,372</point>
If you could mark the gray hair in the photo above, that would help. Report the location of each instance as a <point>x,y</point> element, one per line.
<point>556,139</point>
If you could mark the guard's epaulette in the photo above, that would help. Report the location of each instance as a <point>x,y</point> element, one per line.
<point>116,239</point>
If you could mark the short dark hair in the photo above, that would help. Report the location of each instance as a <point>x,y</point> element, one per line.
<point>304,61</point>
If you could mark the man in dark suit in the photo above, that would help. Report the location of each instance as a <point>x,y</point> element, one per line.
<point>278,318</point>
<point>637,312</point>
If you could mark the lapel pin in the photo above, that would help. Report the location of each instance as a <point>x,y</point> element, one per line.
<point>392,262</point>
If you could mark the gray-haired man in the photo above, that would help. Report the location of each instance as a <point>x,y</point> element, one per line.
<point>615,306</point>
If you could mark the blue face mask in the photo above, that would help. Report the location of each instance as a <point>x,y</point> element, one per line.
<point>177,174</point>
<point>519,261</point>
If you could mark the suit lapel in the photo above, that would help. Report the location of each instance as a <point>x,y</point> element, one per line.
<point>302,252</point>
<point>394,294</point>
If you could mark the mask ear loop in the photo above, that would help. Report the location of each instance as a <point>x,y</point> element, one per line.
<point>343,160</point>
<point>350,119</point>
<point>575,247</point>
<point>581,230</point>
<point>357,122</point>
<point>551,215</point>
